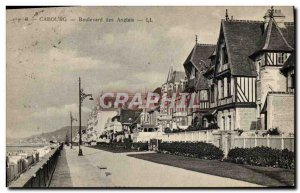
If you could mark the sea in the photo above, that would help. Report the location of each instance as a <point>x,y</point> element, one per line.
<point>22,148</point>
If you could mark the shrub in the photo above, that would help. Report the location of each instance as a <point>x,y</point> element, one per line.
<point>273,131</point>
<point>189,149</point>
<point>262,156</point>
<point>103,136</point>
<point>140,146</point>
<point>168,130</point>
<point>194,128</point>
<point>127,144</point>
<point>212,126</point>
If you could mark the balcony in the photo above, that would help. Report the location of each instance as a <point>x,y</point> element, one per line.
<point>226,101</point>
<point>180,114</point>
<point>222,68</point>
<point>213,104</point>
<point>203,105</point>
<point>164,117</point>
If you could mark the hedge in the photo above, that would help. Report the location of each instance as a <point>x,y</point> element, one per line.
<point>127,144</point>
<point>262,156</point>
<point>200,150</point>
<point>140,146</point>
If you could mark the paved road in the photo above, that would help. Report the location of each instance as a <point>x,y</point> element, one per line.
<point>125,171</point>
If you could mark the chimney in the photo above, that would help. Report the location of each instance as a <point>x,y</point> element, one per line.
<point>277,15</point>
<point>226,15</point>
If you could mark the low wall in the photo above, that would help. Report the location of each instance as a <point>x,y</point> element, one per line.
<point>40,174</point>
<point>275,142</point>
<point>189,136</point>
<point>229,140</point>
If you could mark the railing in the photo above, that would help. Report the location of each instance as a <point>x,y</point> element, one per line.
<point>223,67</point>
<point>180,114</point>
<point>225,101</point>
<point>164,117</point>
<point>204,105</point>
<point>40,174</point>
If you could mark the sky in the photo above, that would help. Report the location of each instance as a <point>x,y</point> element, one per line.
<point>45,58</point>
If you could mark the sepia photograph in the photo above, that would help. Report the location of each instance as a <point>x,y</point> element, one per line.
<point>116,97</point>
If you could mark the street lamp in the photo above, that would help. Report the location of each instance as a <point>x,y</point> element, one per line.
<point>72,119</point>
<point>82,96</point>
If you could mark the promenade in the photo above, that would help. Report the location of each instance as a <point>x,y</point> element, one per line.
<point>99,168</point>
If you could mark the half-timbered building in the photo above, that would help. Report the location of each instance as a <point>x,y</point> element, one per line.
<point>274,66</point>
<point>251,74</point>
<point>195,66</point>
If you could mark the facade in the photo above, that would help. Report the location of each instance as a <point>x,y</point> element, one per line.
<point>169,117</point>
<point>251,75</point>
<point>197,84</point>
<point>245,82</point>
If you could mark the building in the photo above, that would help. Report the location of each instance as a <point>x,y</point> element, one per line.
<point>195,66</point>
<point>251,75</point>
<point>128,119</point>
<point>170,117</point>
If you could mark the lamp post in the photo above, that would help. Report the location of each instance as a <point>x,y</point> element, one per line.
<point>82,96</point>
<point>72,119</point>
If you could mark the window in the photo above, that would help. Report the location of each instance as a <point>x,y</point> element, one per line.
<point>204,123</point>
<point>281,58</point>
<point>183,121</point>
<point>192,73</point>
<point>203,95</point>
<point>212,94</point>
<point>224,57</point>
<point>258,70</point>
<point>229,122</point>
<point>292,81</point>
<point>224,123</point>
<point>228,87</point>
<point>222,89</point>
<point>293,78</point>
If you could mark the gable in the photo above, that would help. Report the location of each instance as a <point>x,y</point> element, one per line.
<point>241,40</point>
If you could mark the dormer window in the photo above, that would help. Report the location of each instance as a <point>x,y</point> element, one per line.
<point>281,58</point>
<point>275,58</point>
<point>192,73</point>
<point>224,56</point>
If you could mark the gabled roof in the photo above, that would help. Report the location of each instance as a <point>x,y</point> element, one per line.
<point>199,56</point>
<point>289,33</point>
<point>241,37</point>
<point>157,90</point>
<point>201,82</point>
<point>273,38</point>
<point>289,63</point>
<point>129,115</point>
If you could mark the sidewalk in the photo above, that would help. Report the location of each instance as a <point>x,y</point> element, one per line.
<point>61,176</point>
<point>131,172</point>
<point>77,171</point>
<point>124,171</point>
